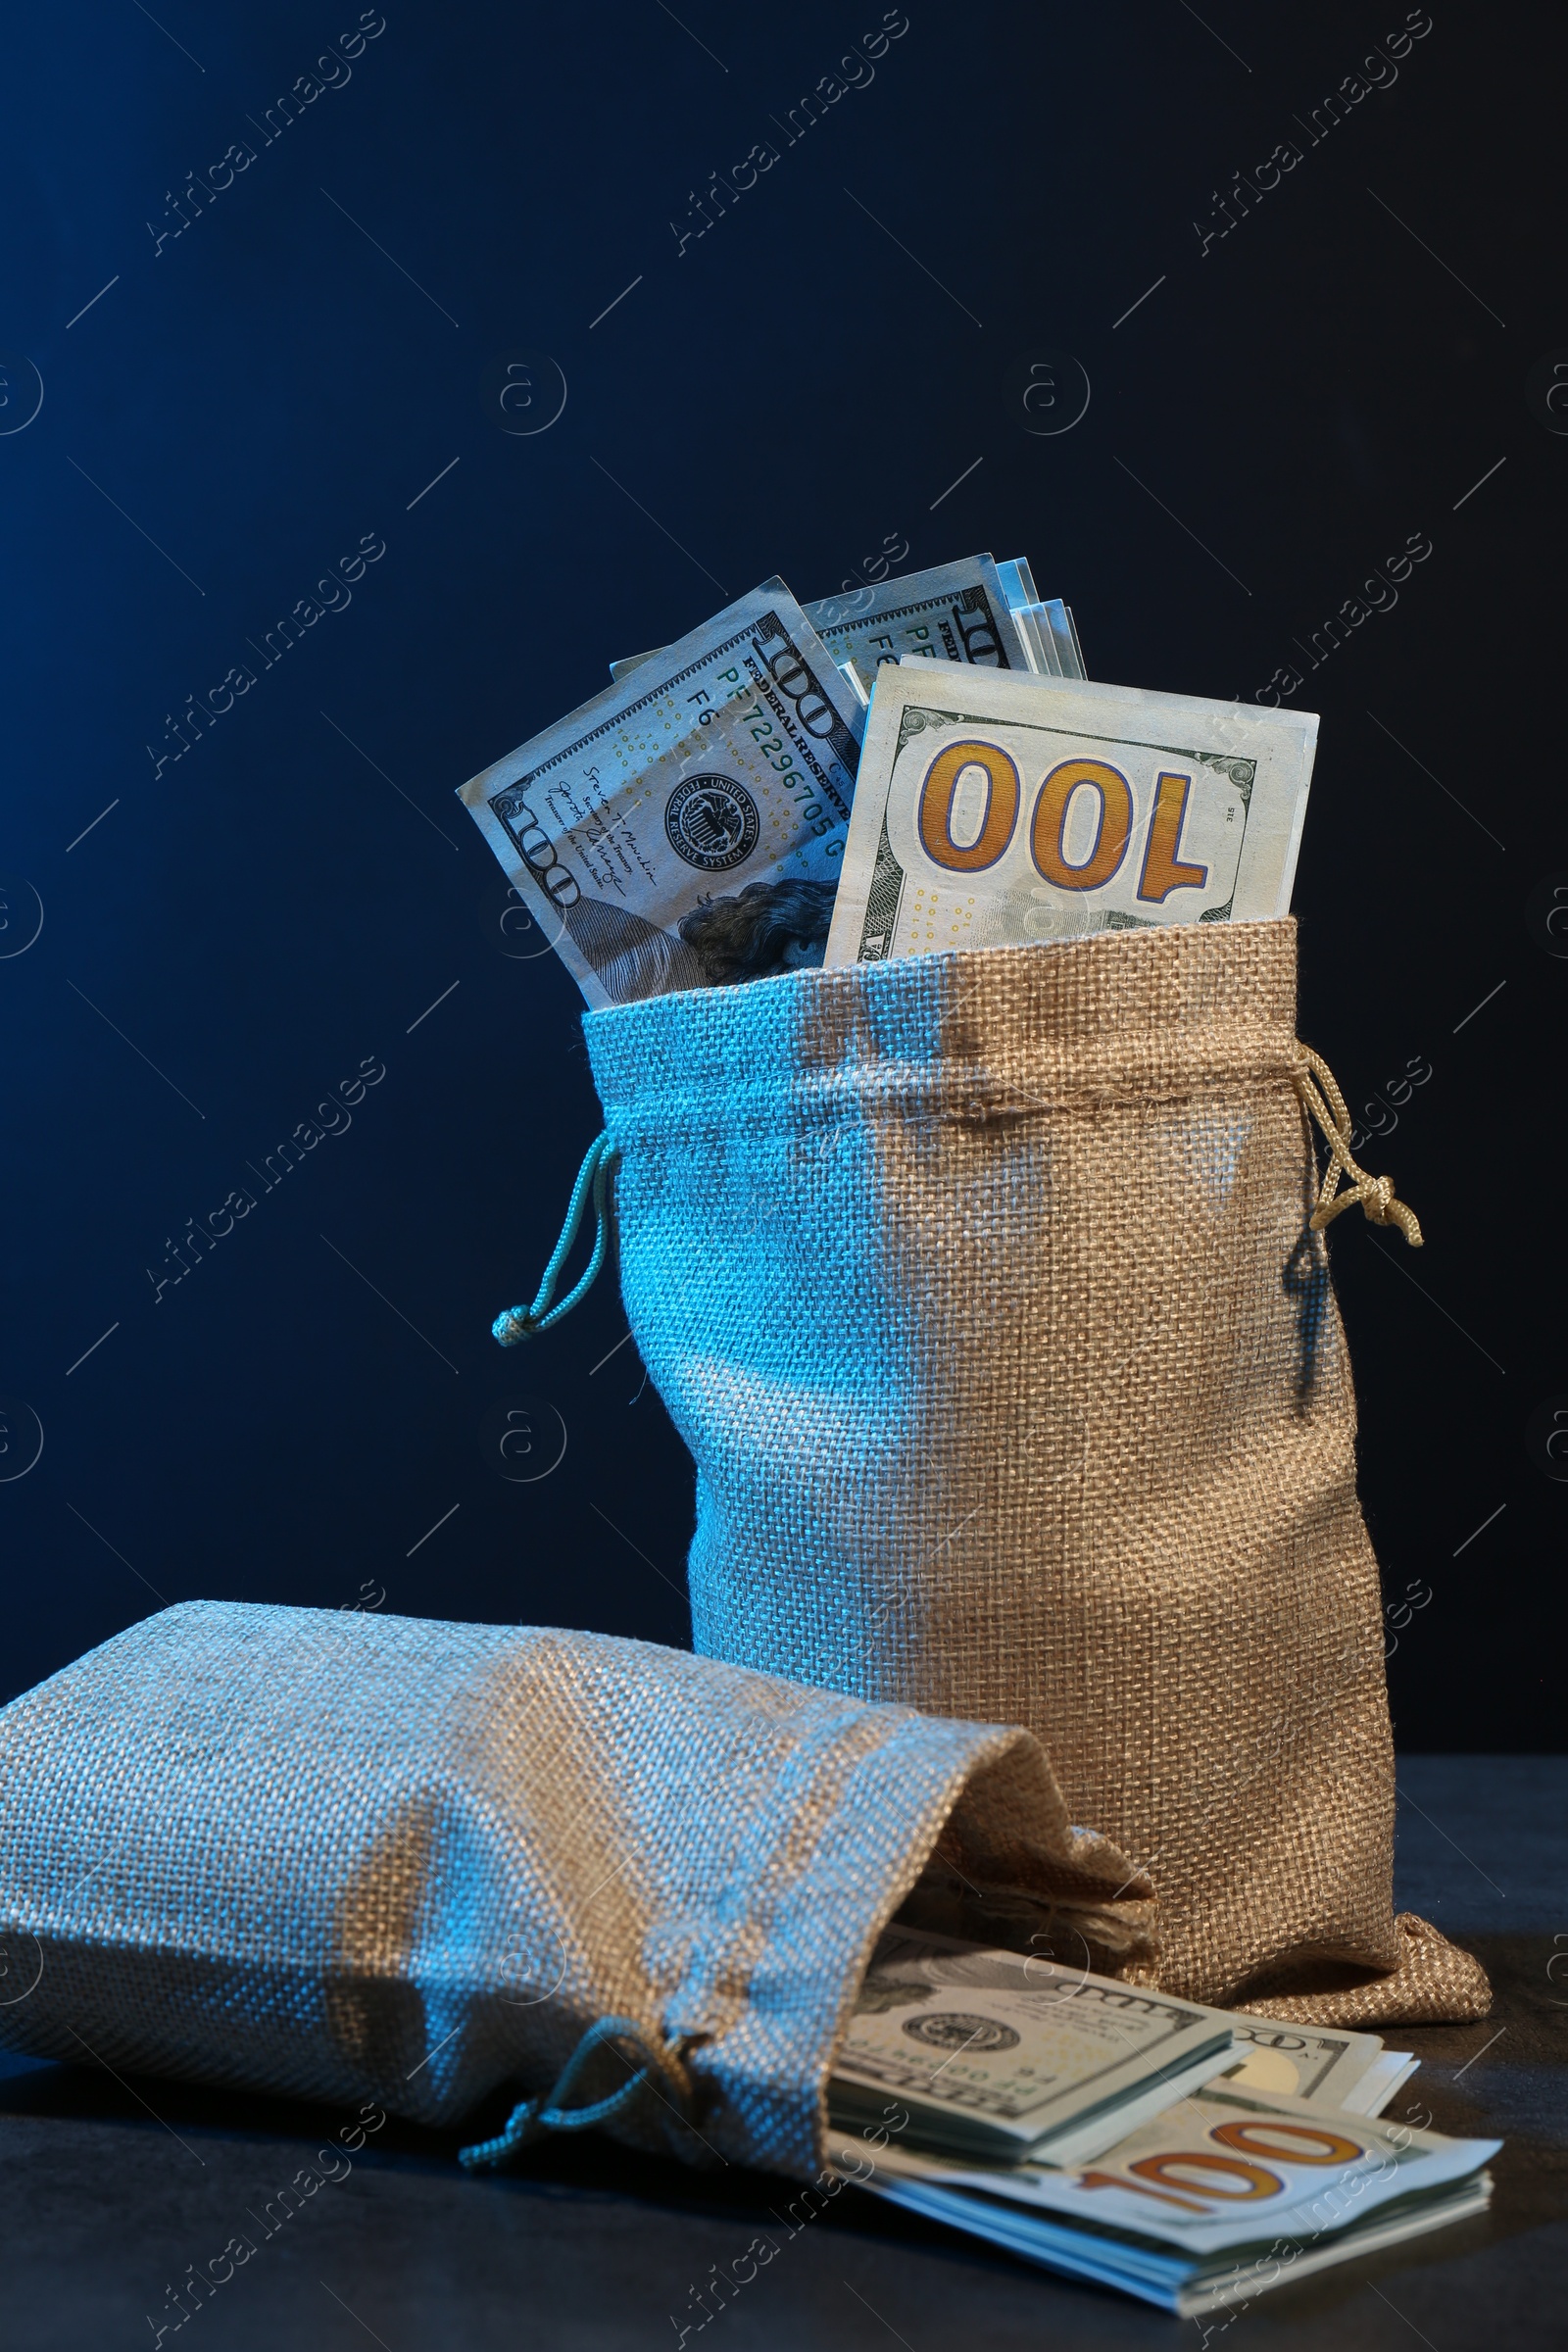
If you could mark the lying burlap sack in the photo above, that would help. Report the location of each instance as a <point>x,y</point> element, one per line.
<point>357,1857</point>
<point>982,1288</point>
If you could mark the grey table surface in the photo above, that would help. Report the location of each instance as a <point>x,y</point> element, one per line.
<point>109,2191</point>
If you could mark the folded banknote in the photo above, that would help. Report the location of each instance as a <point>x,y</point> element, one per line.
<point>973,610</point>
<point>996,809</point>
<point>1227,2193</point>
<point>685,827</point>
<point>1115,2133</point>
<point>1017,2056</point>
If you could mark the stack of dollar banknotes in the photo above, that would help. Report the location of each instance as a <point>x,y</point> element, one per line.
<point>1193,2157</point>
<point>915,765</point>
<point>911,765</point>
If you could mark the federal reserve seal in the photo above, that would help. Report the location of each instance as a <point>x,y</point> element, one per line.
<point>956,2029</point>
<point>711,822</point>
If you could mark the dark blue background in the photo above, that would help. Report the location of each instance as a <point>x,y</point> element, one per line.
<point>258,916</point>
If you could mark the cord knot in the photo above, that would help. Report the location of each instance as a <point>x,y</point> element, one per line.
<point>647,2066</point>
<point>1379,1200</point>
<point>516,1323</point>
<point>1315,1085</point>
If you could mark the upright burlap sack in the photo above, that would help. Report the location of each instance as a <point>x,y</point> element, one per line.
<point>982,1289</point>
<point>358,1858</point>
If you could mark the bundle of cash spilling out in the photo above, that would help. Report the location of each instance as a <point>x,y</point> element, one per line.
<point>917,766</point>
<point>1192,2157</point>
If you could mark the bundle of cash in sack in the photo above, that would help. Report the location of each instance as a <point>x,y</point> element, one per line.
<point>911,766</point>
<point>914,765</point>
<point>1192,2157</point>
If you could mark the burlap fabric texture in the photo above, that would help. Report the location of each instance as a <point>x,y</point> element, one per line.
<point>360,1857</point>
<point>981,1286</point>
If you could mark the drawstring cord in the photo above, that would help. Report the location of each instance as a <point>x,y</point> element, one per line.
<point>552,2113</point>
<point>516,1323</point>
<point>1314,1081</point>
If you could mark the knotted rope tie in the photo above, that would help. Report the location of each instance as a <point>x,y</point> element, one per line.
<point>1314,1082</point>
<point>516,1323</point>
<point>553,2112</point>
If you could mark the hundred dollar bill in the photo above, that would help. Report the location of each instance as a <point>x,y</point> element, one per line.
<point>1227,2193</point>
<point>971,612</point>
<point>992,809</point>
<point>685,827</point>
<point>1002,2057</point>
<point>918,1973</point>
<point>975,611</point>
